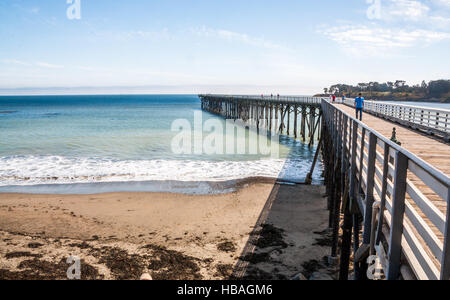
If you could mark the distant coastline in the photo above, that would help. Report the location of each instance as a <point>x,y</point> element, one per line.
<point>437,91</point>
<point>392,99</point>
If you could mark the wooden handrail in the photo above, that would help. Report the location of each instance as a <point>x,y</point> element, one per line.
<point>409,215</point>
<point>431,120</point>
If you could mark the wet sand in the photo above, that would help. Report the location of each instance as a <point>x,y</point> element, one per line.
<point>260,231</point>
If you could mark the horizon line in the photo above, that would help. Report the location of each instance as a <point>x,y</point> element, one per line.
<point>157,90</point>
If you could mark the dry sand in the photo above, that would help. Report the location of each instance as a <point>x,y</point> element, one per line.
<point>261,231</point>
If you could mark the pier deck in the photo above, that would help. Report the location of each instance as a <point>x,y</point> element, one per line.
<point>422,199</point>
<point>432,150</point>
<point>397,197</point>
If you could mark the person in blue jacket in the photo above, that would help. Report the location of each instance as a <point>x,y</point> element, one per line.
<point>359,105</point>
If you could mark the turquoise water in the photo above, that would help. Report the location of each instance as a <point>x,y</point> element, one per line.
<point>53,140</point>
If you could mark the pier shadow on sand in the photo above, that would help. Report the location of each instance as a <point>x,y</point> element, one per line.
<point>290,239</point>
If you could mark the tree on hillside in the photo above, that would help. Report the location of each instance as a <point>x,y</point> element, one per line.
<point>362,86</point>
<point>439,88</point>
<point>400,85</point>
<point>424,85</point>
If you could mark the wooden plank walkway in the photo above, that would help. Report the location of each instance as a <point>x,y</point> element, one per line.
<point>431,150</point>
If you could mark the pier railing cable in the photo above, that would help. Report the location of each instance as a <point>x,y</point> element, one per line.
<point>268,98</point>
<point>431,120</point>
<point>405,225</point>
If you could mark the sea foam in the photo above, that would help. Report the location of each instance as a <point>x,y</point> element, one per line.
<point>33,170</point>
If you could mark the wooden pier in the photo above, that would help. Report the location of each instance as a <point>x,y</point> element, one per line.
<point>389,204</point>
<point>295,116</point>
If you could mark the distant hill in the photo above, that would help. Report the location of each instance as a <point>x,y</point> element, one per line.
<point>434,91</point>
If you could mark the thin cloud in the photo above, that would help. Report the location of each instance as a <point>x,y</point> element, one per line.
<point>237,37</point>
<point>27,64</point>
<point>431,13</point>
<point>15,62</point>
<point>48,66</point>
<point>443,3</point>
<point>376,41</point>
<point>124,36</point>
<point>35,10</point>
<point>403,24</point>
<point>406,9</point>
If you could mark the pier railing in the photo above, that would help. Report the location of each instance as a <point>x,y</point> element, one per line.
<point>403,199</point>
<point>430,120</point>
<point>281,99</point>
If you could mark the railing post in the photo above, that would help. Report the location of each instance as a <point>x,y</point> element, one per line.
<point>370,188</point>
<point>446,123</point>
<point>361,160</point>
<point>437,120</point>
<point>397,216</point>
<point>348,218</point>
<point>353,160</point>
<point>445,262</point>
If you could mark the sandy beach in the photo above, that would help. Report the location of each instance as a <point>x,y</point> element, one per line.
<point>261,231</point>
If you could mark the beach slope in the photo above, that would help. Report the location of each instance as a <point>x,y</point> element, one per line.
<point>170,236</point>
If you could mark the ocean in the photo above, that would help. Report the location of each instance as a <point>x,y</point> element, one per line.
<point>90,144</point>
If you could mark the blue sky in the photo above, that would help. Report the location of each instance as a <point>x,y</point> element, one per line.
<point>219,46</point>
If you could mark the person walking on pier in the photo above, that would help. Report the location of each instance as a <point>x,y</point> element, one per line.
<point>359,105</point>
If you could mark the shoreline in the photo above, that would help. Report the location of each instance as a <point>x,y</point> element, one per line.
<point>170,236</point>
<point>162,186</point>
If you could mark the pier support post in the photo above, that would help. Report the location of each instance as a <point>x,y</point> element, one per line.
<point>346,243</point>
<point>313,124</point>
<point>266,111</point>
<point>295,121</point>
<point>271,117</point>
<point>257,117</point>
<point>358,267</point>
<point>314,130</point>
<point>316,156</point>
<point>276,116</point>
<point>303,129</point>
